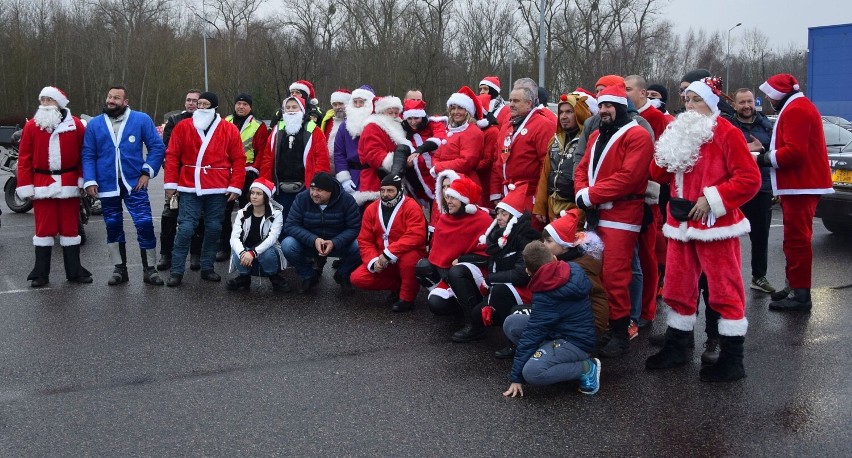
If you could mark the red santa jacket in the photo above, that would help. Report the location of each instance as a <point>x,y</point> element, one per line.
<point>456,235</point>
<point>655,118</point>
<point>726,175</point>
<point>314,157</point>
<point>617,186</point>
<point>211,164</point>
<point>380,137</point>
<point>490,151</point>
<point>521,154</point>
<point>404,233</point>
<point>41,152</point>
<point>797,150</point>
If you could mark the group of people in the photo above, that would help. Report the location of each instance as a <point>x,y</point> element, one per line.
<point>555,226</point>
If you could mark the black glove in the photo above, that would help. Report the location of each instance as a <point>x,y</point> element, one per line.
<point>426,147</point>
<point>403,150</point>
<point>581,204</point>
<point>492,121</point>
<point>763,160</point>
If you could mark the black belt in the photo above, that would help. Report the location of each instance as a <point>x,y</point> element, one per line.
<point>356,165</point>
<point>54,172</point>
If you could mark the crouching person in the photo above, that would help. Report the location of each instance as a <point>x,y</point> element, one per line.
<point>254,240</point>
<point>391,241</point>
<point>555,339</point>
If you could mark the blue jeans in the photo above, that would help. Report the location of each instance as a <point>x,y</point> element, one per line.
<point>301,257</point>
<point>635,287</point>
<point>139,207</point>
<point>555,360</point>
<point>265,265</point>
<point>286,201</point>
<point>189,211</point>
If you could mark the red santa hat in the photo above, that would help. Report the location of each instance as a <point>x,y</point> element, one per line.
<point>609,80</point>
<point>467,191</point>
<point>341,96</point>
<point>591,100</point>
<point>306,87</point>
<point>513,203</point>
<point>708,89</point>
<point>779,86</point>
<point>491,81</point>
<point>264,185</point>
<point>563,230</point>
<point>617,93</point>
<point>439,180</point>
<point>383,103</point>
<point>413,109</point>
<point>468,100</point>
<point>298,100</point>
<point>56,94</point>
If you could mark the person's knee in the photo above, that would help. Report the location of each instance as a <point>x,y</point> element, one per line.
<point>459,273</point>
<point>426,273</point>
<point>533,372</point>
<point>440,306</point>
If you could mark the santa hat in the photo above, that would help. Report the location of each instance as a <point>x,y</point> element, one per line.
<point>609,80</point>
<point>341,96</point>
<point>779,86</point>
<point>306,87</point>
<point>468,100</point>
<point>439,180</point>
<point>383,103</point>
<point>298,100</point>
<point>56,94</point>
<point>617,93</point>
<point>491,81</point>
<point>364,92</point>
<point>578,103</point>
<point>467,191</point>
<point>708,89</point>
<point>563,230</point>
<point>264,185</point>
<point>591,100</point>
<point>513,203</point>
<point>413,109</point>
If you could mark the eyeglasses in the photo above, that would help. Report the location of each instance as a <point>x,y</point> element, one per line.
<point>204,104</point>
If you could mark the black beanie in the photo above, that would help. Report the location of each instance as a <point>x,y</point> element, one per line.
<point>542,96</point>
<point>695,75</point>
<point>210,97</point>
<point>393,180</point>
<point>243,97</point>
<point>324,181</point>
<point>664,93</point>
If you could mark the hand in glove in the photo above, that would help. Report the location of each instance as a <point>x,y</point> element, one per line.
<point>763,160</point>
<point>426,147</point>
<point>492,121</point>
<point>581,204</point>
<point>402,149</point>
<point>348,186</point>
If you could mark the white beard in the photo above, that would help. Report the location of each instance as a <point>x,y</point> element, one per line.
<point>356,118</point>
<point>678,149</point>
<point>203,118</point>
<point>47,117</point>
<point>292,122</point>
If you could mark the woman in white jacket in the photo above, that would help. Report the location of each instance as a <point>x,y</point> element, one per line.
<point>254,240</point>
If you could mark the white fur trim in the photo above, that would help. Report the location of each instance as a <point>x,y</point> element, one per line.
<point>613,99</point>
<point>362,197</point>
<point>387,162</point>
<point>710,98</point>
<point>170,185</point>
<point>25,192</point>
<point>55,191</point>
<point>262,189</point>
<point>715,201</point>
<point>42,241</point>
<point>443,119</point>
<point>252,169</point>
<point>771,92</point>
<point>584,194</point>
<point>684,233</point>
<point>341,97</point>
<point>151,172</point>
<point>362,94</point>
<point>484,237</point>
<point>371,263</point>
<point>413,114</point>
<point>470,209</point>
<point>515,213</point>
<point>554,234</point>
<point>343,176</point>
<point>391,257</point>
<point>391,127</point>
<point>89,183</point>
<point>449,173</point>
<point>652,193</point>
<point>680,322</point>
<point>69,241</point>
<point>482,123</point>
<point>434,140</point>
<point>773,158</point>
<point>388,102</point>
<point>54,94</point>
<point>494,197</point>
<point>234,190</point>
<point>443,293</point>
<point>450,192</point>
<point>463,101</point>
<point>733,327</point>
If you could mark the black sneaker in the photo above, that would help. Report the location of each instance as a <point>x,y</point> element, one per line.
<point>507,352</point>
<point>305,285</point>
<point>210,275</point>
<point>402,306</point>
<point>194,262</point>
<point>711,351</point>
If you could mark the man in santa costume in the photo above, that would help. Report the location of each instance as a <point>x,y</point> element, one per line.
<point>426,134</point>
<point>800,174</point>
<point>121,152</point>
<point>611,180</point>
<point>347,163</point>
<point>456,243</point>
<point>383,146</point>
<point>206,163</point>
<point>295,152</point>
<point>49,173</point>
<point>707,163</point>
<point>333,118</point>
<point>391,241</point>
<point>523,141</point>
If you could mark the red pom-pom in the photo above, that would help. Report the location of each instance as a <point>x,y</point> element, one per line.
<point>563,97</point>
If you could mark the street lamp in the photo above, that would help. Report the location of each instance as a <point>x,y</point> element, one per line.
<point>728,57</point>
<point>541,45</point>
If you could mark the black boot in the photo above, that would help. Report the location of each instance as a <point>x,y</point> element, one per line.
<point>149,272</point>
<point>118,256</point>
<point>674,352</point>
<point>165,262</point>
<point>781,293</point>
<point>711,326</point>
<point>619,343</point>
<point>41,271</point>
<point>711,351</point>
<point>658,340</point>
<point>74,272</point>
<point>798,300</point>
<point>239,282</point>
<point>279,284</point>
<point>729,367</point>
<point>469,299</point>
<point>402,306</point>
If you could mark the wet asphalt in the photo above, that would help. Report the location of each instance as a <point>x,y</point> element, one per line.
<point>138,370</point>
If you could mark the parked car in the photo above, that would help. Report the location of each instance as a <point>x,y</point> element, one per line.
<point>836,209</point>
<point>837,120</point>
<point>836,137</point>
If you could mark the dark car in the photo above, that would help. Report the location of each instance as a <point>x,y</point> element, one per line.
<point>836,209</point>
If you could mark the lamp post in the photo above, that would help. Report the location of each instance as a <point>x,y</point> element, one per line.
<point>204,38</point>
<point>728,58</point>
<point>541,45</point>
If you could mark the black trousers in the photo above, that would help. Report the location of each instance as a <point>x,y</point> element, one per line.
<point>759,213</point>
<point>168,230</point>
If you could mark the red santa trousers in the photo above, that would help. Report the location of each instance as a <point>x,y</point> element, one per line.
<point>798,213</point>
<point>399,275</point>
<point>650,269</point>
<point>721,261</point>
<point>56,216</point>
<point>618,254</point>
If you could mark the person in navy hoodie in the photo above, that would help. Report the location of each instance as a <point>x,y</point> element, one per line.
<point>555,339</point>
<point>116,168</point>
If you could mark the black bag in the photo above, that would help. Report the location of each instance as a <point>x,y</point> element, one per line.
<point>680,208</point>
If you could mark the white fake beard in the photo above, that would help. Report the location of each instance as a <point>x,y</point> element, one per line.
<point>656,103</point>
<point>679,146</point>
<point>202,118</point>
<point>292,122</point>
<point>356,118</point>
<point>47,117</point>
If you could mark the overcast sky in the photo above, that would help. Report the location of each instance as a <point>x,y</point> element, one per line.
<point>784,22</point>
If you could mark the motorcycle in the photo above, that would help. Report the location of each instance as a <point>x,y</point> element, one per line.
<point>10,138</point>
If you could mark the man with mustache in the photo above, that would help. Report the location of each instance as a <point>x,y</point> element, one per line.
<point>116,168</point>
